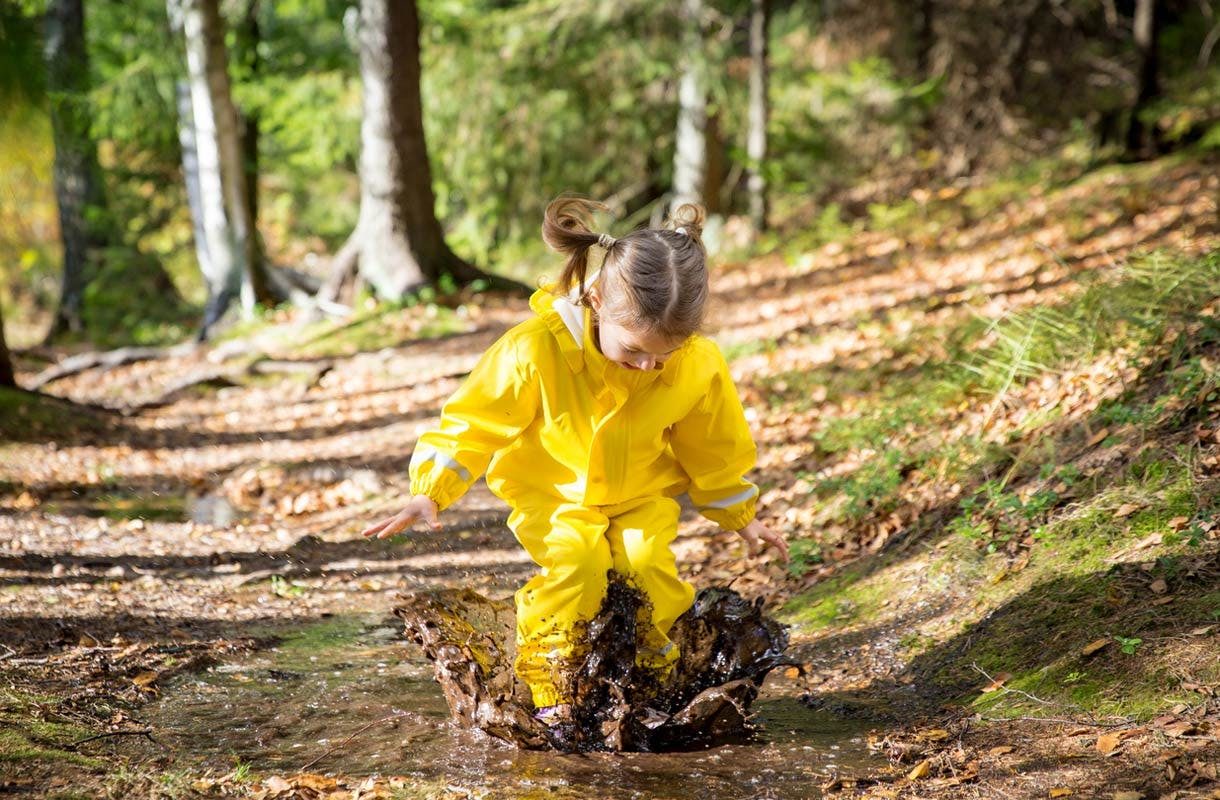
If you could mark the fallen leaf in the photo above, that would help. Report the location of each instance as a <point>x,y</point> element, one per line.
<point>1060,792</point>
<point>312,780</point>
<point>1178,523</point>
<point>1159,586</point>
<point>1003,749</point>
<point>1107,743</point>
<point>86,640</point>
<point>144,679</point>
<point>1128,796</point>
<point>1092,647</point>
<point>936,735</point>
<point>997,682</point>
<point>1177,729</point>
<point>1125,510</point>
<point>920,770</point>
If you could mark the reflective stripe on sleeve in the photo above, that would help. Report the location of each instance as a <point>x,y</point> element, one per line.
<point>728,502</point>
<point>426,454</point>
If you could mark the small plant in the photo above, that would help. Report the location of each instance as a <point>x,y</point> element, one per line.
<point>1128,644</point>
<point>803,554</point>
<point>963,525</point>
<point>280,587</point>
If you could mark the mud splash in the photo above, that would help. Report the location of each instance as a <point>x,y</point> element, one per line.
<point>726,644</point>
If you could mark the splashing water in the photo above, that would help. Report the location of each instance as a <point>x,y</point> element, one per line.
<point>726,645</point>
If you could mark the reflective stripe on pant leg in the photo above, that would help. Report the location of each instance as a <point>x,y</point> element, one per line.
<point>569,544</point>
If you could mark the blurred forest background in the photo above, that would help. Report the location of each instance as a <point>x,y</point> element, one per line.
<point>841,114</point>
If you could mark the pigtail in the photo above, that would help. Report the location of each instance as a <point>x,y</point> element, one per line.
<point>567,228</point>
<point>688,219</point>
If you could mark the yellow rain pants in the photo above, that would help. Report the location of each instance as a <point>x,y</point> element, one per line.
<point>575,546</point>
<point>590,456</point>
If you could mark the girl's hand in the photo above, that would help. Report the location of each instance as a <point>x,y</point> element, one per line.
<point>757,534</point>
<point>418,507</point>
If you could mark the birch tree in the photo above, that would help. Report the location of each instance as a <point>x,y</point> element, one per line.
<point>228,251</point>
<point>756,138</point>
<point>690,142</point>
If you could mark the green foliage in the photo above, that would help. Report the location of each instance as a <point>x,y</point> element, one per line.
<point>282,587</point>
<point>873,487</point>
<point>992,515</point>
<point>130,301</point>
<point>22,72</point>
<point>803,555</point>
<point>1150,294</point>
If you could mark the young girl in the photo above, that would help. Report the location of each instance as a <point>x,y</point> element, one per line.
<point>590,418</point>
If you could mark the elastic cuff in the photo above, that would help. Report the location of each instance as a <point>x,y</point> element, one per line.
<point>435,493</point>
<point>735,521</point>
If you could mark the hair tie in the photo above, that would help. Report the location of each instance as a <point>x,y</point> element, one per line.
<point>606,240</point>
<point>681,230</point>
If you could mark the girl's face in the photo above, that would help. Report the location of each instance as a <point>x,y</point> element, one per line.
<point>634,349</point>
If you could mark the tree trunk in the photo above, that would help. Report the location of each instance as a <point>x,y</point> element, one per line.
<point>756,138</point>
<point>7,379</point>
<point>228,225</point>
<point>398,245</point>
<point>190,174</point>
<point>248,36</point>
<point>690,143</point>
<point>715,165</point>
<point>402,247</point>
<point>78,189</point>
<point>925,39</point>
<point>1141,140</point>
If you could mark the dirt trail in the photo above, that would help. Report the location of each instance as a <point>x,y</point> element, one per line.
<point>180,526</point>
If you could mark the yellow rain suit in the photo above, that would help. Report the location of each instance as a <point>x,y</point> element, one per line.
<point>589,456</point>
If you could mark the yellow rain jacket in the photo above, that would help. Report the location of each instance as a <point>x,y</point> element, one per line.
<point>589,455</point>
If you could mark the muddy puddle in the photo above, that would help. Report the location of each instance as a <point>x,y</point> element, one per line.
<point>282,708</point>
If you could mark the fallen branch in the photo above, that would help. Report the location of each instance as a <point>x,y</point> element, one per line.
<point>229,376</point>
<point>1060,720</point>
<point>145,733</point>
<point>362,729</point>
<point>111,358</point>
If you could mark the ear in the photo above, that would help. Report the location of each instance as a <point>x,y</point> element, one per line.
<point>594,297</point>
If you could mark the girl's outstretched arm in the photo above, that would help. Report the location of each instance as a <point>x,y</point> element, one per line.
<point>498,401</point>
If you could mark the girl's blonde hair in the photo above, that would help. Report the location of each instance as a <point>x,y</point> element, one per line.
<point>652,279</point>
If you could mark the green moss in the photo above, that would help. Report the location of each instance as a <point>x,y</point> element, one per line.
<point>837,602</point>
<point>118,506</point>
<point>26,416</point>
<point>19,742</point>
<point>1117,685</point>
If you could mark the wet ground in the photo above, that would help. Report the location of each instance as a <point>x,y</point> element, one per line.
<point>349,695</point>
